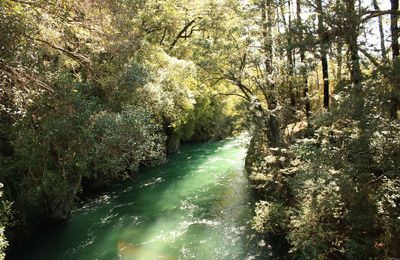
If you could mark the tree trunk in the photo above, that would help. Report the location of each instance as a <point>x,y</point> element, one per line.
<point>267,18</point>
<point>394,28</point>
<point>307,105</point>
<point>289,52</point>
<point>381,32</point>
<point>351,32</point>
<point>291,58</point>
<point>323,39</point>
<point>351,36</point>
<point>339,62</point>
<point>271,122</point>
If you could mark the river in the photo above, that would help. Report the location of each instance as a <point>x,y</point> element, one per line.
<point>196,206</point>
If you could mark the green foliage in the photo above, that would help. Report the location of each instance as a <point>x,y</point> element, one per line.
<point>343,183</point>
<point>120,142</point>
<point>210,120</point>
<point>90,91</point>
<point>5,209</point>
<point>270,217</point>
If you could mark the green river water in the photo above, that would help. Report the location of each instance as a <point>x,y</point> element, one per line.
<point>196,206</point>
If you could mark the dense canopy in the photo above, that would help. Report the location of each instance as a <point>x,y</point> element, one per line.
<point>90,91</point>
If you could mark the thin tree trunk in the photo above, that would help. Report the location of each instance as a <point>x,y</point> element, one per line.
<point>267,17</point>
<point>381,32</point>
<point>291,58</point>
<point>323,39</point>
<point>272,123</point>
<point>351,26</point>
<point>394,28</point>
<point>289,52</point>
<point>355,61</point>
<point>352,41</point>
<point>307,105</point>
<point>339,62</point>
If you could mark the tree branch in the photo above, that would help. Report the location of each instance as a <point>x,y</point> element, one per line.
<point>180,34</point>
<point>74,55</point>
<point>20,75</point>
<point>370,58</point>
<point>377,13</point>
<point>229,94</point>
<point>163,36</point>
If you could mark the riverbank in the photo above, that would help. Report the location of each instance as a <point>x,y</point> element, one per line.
<point>196,206</point>
<point>52,206</point>
<point>332,192</point>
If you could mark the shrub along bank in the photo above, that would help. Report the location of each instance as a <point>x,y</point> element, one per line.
<point>334,191</point>
<point>88,95</point>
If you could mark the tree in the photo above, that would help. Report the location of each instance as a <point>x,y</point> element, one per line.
<point>394,28</point>
<point>381,32</point>
<point>267,20</point>
<point>307,105</point>
<point>323,44</point>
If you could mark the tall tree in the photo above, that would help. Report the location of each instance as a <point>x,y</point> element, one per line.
<point>307,104</point>
<point>394,28</point>
<point>339,61</point>
<point>289,49</point>
<point>267,23</point>
<point>381,32</point>
<point>323,41</point>
<point>352,24</point>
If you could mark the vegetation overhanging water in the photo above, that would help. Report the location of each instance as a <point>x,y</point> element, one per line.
<point>196,206</point>
<point>91,90</point>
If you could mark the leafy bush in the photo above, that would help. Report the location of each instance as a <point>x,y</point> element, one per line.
<point>66,136</point>
<point>120,142</point>
<point>342,183</point>
<point>5,209</point>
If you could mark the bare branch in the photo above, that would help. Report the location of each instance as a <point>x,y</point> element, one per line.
<point>163,36</point>
<point>377,13</point>
<point>183,31</point>
<point>371,58</point>
<point>245,90</point>
<point>229,94</point>
<point>21,76</point>
<point>74,55</point>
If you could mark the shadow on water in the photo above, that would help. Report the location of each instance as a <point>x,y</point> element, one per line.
<point>196,206</point>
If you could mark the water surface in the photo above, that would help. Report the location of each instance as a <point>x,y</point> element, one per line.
<point>196,206</point>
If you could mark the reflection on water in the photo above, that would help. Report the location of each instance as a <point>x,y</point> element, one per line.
<point>196,206</point>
